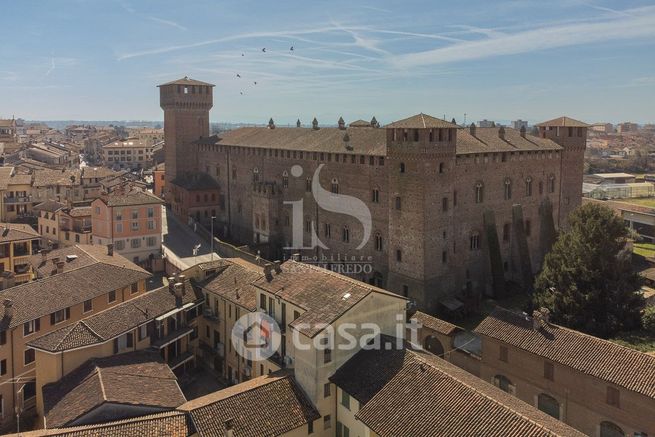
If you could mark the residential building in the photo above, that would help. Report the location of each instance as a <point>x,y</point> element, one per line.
<point>519,124</point>
<point>117,387</point>
<point>92,178</point>
<point>15,194</point>
<point>427,184</point>
<point>76,287</point>
<point>53,154</point>
<point>627,127</point>
<point>9,142</point>
<point>158,179</point>
<point>132,222</point>
<point>17,244</point>
<point>604,128</point>
<point>197,196</point>
<point>594,385</point>
<point>130,153</point>
<point>63,225</point>
<point>61,185</point>
<point>486,123</point>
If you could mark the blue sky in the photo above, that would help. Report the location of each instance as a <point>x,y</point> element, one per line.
<point>590,59</point>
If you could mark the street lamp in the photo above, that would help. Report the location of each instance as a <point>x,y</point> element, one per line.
<point>212,239</point>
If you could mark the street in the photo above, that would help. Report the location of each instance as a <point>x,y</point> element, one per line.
<point>179,241</point>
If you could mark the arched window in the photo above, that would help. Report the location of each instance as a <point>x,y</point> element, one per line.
<point>475,241</point>
<point>402,167</point>
<point>548,405</point>
<point>345,234</point>
<point>442,166</point>
<point>541,187</point>
<point>378,242</point>
<point>335,186</point>
<point>551,183</point>
<point>285,179</point>
<point>255,174</point>
<point>234,172</point>
<point>433,345</point>
<point>503,383</point>
<point>375,195</point>
<point>609,429</point>
<point>528,186</point>
<point>398,203</point>
<point>479,192</point>
<point>308,185</point>
<point>508,188</point>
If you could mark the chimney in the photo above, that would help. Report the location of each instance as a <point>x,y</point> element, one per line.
<point>44,254</point>
<point>60,267</point>
<point>540,318</point>
<point>55,260</point>
<point>267,271</point>
<point>9,309</point>
<point>179,291</point>
<point>472,129</point>
<point>171,284</point>
<point>295,257</point>
<point>277,266</point>
<point>229,428</point>
<point>341,123</point>
<point>298,123</point>
<point>181,278</point>
<point>501,132</point>
<point>315,124</point>
<point>523,131</point>
<point>110,249</point>
<point>271,123</point>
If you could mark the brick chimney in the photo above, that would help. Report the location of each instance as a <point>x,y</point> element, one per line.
<point>110,249</point>
<point>540,318</point>
<point>472,129</point>
<point>60,267</point>
<point>171,284</point>
<point>268,267</point>
<point>501,132</point>
<point>341,123</point>
<point>179,292</point>
<point>523,131</point>
<point>277,266</point>
<point>9,309</point>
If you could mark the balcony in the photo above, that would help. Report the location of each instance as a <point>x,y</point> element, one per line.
<point>80,229</point>
<point>210,315</point>
<point>171,337</point>
<point>179,360</point>
<point>17,199</point>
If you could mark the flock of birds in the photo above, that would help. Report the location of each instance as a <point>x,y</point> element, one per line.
<point>291,49</point>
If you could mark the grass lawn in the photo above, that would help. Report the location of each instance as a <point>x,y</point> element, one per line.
<point>647,250</point>
<point>640,340</point>
<point>644,201</point>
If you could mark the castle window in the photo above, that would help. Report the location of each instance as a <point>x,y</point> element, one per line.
<point>549,371</point>
<point>541,187</point>
<point>345,235</point>
<point>444,257</point>
<point>444,204</point>
<point>450,134</point>
<point>399,255</point>
<point>362,159</point>
<point>234,173</point>
<point>570,131</point>
<point>441,167</point>
<point>415,135</point>
<point>440,134</point>
<point>375,196</point>
<point>308,225</point>
<point>508,188</point>
<point>609,429</point>
<point>405,135</point>
<point>579,131</point>
<point>398,203</point>
<point>186,90</point>
<point>551,184</point>
<point>255,174</point>
<point>402,167</point>
<point>218,171</point>
<point>327,230</point>
<point>286,220</point>
<point>431,135</point>
<point>335,186</point>
<point>528,186</point>
<point>405,290</point>
<point>613,396</point>
<point>548,405</point>
<point>455,198</point>
<point>378,242</point>
<point>475,241</point>
<point>503,354</point>
<point>503,383</point>
<point>381,161</point>
<point>308,185</point>
<point>528,226</point>
<point>285,179</point>
<point>479,192</point>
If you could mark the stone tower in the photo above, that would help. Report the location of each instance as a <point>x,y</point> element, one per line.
<point>572,136</point>
<point>421,154</point>
<point>186,104</point>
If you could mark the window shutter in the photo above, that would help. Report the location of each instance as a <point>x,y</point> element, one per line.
<point>52,318</point>
<point>37,325</point>
<point>68,313</point>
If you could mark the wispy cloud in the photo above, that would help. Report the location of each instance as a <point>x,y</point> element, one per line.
<point>52,67</point>
<point>168,23</point>
<point>632,26</point>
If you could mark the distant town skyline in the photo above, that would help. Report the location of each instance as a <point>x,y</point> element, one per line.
<point>501,60</point>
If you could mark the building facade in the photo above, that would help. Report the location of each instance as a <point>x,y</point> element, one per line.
<point>454,212</point>
<point>130,153</point>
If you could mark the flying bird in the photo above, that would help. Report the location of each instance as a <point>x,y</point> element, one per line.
<point>242,54</point>
<point>238,75</point>
<point>264,50</point>
<point>255,82</point>
<point>291,49</point>
<point>241,92</point>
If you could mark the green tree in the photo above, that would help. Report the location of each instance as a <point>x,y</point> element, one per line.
<point>587,281</point>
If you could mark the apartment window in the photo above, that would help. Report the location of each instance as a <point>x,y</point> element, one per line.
<point>151,212</point>
<point>262,301</point>
<point>119,215</point>
<point>31,327</point>
<point>151,224</point>
<point>3,367</point>
<point>327,422</point>
<point>29,356</point>
<point>88,305</point>
<point>310,427</point>
<point>609,429</point>
<point>327,355</point>
<point>503,354</point>
<point>548,405</point>
<point>60,316</point>
<point>111,296</point>
<point>119,244</point>
<point>342,430</point>
<point>135,243</point>
<point>613,396</point>
<point>405,290</point>
<point>327,390</point>
<point>479,192</point>
<point>345,400</point>
<point>3,338</point>
<point>549,371</point>
<point>151,241</point>
<point>134,287</point>
<point>119,227</point>
<point>135,226</point>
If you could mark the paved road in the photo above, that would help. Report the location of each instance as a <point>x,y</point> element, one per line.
<point>179,241</point>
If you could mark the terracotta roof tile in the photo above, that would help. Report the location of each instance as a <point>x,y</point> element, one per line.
<point>233,281</point>
<point>421,121</point>
<point>138,378</point>
<point>186,81</point>
<point>589,355</point>
<point>269,405</point>
<point>563,122</point>
<point>438,325</point>
<point>17,232</point>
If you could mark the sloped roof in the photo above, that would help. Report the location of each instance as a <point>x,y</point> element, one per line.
<point>324,295</point>
<point>186,81</point>
<point>131,198</point>
<point>487,139</point>
<point>233,281</point>
<point>5,175</point>
<point>563,122</point>
<point>269,405</point>
<point>17,232</point>
<point>47,177</point>
<point>589,355</point>
<point>137,378</point>
<point>437,325</point>
<point>407,392</point>
<point>421,121</point>
<point>49,205</point>
<point>114,321</point>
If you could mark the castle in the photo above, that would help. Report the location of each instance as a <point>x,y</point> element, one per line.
<point>434,211</point>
